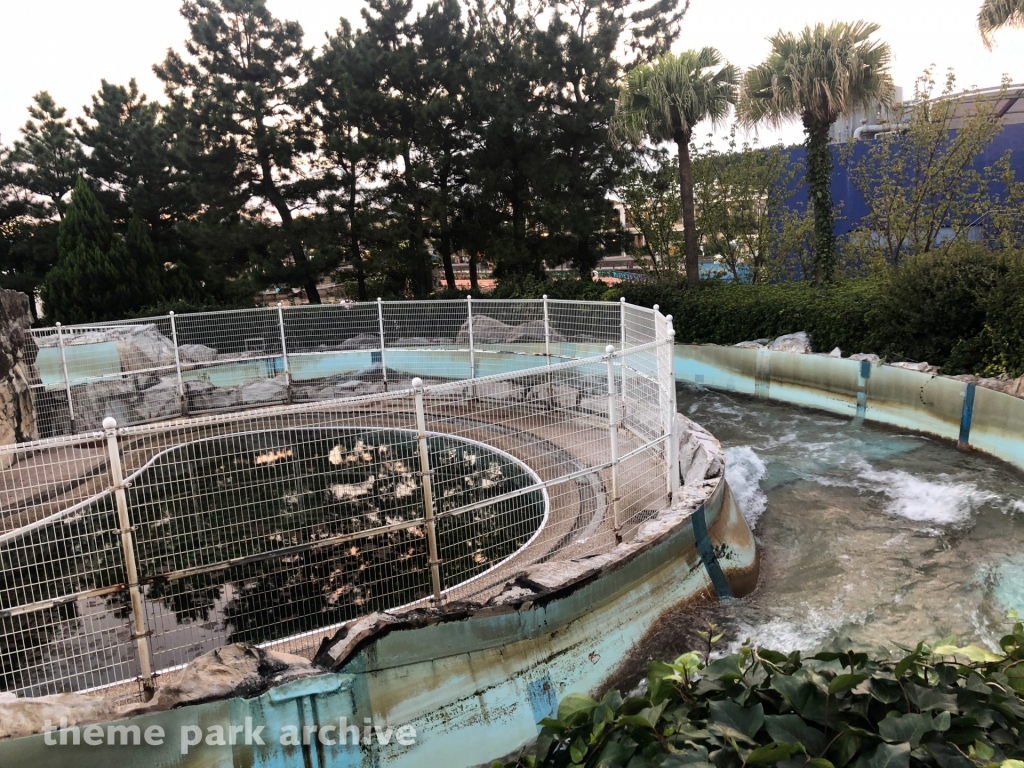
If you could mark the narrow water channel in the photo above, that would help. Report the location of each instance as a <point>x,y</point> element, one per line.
<point>866,533</point>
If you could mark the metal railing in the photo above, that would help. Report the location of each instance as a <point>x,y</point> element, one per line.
<point>543,431</point>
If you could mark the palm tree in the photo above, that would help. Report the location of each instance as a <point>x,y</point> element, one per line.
<point>663,102</point>
<point>995,14</point>
<point>817,76</point>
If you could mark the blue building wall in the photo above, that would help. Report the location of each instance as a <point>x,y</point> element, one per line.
<point>854,208</point>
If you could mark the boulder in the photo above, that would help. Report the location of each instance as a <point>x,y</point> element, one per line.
<point>865,357</point>
<point>160,400</point>
<point>264,391</point>
<point>191,354</point>
<point>750,345</point>
<point>362,341</point>
<point>1002,383</point>
<point>919,367</point>
<point>700,454</point>
<point>488,330</point>
<point>17,353</point>
<point>800,343</point>
<point>204,396</point>
<point>837,352</point>
<point>139,347</point>
<point>98,399</point>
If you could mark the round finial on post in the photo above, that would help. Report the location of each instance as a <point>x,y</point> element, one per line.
<point>622,299</point>
<point>610,349</point>
<point>656,307</point>
<point>110,423</point>
<point>669,318</point>
<point>417,383</point>
<point>171,313</point>
<point>57,325</point>
<point>544,296</point>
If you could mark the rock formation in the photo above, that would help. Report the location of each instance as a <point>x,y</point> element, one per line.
<point>17,355</point>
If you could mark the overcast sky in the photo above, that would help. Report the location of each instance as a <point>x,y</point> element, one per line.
<point>67,46</point>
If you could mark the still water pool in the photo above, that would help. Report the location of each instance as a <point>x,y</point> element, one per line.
<point>866,533</point>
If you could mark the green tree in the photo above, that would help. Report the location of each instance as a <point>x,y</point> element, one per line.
<point>653,208</point>
<point>239,93</point>
<point>997,14</point>
<point>817,76</point>
<point>47,157</point>
<point>920,183</point>
<point>664,102</point>
<point>741,198</point>
<point>94,278</point>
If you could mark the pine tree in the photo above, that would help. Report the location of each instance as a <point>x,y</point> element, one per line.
<point>48,156</point>
<point>94,278</point>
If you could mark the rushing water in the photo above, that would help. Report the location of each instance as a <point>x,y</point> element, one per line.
<point>865,533</point>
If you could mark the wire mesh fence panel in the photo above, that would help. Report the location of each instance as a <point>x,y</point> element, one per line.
<point>275,524</point>
<point>62,607</point>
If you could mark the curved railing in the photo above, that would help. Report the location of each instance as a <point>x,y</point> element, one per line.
<point>265,474</point>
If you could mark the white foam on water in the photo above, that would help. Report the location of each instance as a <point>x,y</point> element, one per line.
<point>744,471</point>
<point>941,500</point>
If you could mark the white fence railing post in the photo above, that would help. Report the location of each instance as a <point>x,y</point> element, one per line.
<point>284,351</point>
<point>547,331</point>
<point>613,440</point>
<point>140,634</point>
<point>667,377</point>
<point>428,492</point>
<point>67,379</point>
<point>472,348</point>
<point>177,366</point>
<point>380,329</point>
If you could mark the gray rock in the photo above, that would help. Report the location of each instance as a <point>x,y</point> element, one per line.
<point>488,330</point>
<point>837,352</point>
<point>1002,384</point>
<point>362,341</point>
<point>204,396</point>
<point>799,342</point>
<point>17,352</point>
<point>750,345</point>
<point>161,400</point>
<point>919,367</point>
<point>139,347</point>
<point>265,391</point>
<point>553,575</point>
<point>190,354</point>
<point>866,357</point>
<point>700,454</point>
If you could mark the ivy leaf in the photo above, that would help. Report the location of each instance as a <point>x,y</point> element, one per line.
<point>929,698</point>
<point>820,762</point>
<point>909,728</point>
<point>731,720</point>
<point>841,683</point>
<point>573,704</point>
<point>773,753</point>
<point>803,694</point>
<point>886,756</point>
<point>792,728</point>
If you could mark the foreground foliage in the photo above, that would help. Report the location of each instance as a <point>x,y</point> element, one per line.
<point>937,705</point>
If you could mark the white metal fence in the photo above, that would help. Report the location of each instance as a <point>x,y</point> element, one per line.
<point>542,432</point>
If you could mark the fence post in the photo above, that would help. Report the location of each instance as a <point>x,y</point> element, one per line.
<point>547,331</point>
<point>284,351</point>
<point>428,492</point>
<point>140,635</point>
<point>613,440</point>
<point>67,379</point>
<point>668,374</point>
<point>472,349</point>
<point>380,328</point>
<point>177,366</point>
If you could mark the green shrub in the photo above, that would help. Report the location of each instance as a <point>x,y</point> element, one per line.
<point>728,313</point>
<point>933,308</point>
<point>938,706</point>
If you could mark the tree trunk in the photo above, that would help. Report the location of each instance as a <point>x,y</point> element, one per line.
<point>474,280</point>
<point>287,224</point>
<point>353,239</point>
<point>689,218</point>
<point>445,241</point>
<point>819,182</point>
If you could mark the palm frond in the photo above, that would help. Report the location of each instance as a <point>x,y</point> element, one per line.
<point>818,74</point>
<point>996,14</point>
